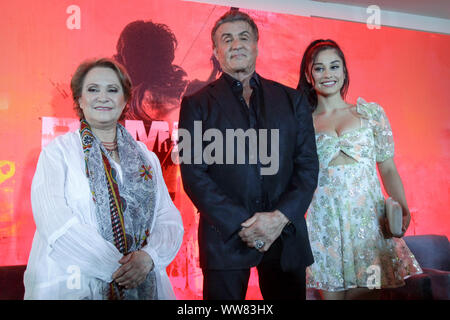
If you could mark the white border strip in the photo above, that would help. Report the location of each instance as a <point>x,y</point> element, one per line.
<point>336,11</point>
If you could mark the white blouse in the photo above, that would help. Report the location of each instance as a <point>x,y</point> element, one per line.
<point>69,258</point>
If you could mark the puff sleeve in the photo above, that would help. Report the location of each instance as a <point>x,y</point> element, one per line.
<point>384,141</point>
<point>381,128</point>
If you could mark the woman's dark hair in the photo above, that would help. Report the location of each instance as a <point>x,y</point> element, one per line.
<point>147,50</point>
<point>309,56</point>
<point>76,84</point>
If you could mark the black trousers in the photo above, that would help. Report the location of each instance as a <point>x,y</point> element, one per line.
<point>273,282</point>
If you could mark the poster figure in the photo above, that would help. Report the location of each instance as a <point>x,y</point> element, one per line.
<point>147,50</point>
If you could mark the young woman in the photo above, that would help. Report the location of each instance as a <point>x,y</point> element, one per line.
<point>352,248</point>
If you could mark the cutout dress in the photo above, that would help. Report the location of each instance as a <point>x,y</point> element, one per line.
<point>344,217</point>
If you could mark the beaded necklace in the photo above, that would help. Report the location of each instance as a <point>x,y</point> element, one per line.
<point>110,147</point>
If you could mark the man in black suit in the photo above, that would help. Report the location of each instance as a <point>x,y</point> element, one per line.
<point>252,211</point>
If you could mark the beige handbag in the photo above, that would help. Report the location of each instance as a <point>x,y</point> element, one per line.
<point>394,216</point>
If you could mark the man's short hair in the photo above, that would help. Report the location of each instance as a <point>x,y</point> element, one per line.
<point>232,16</point>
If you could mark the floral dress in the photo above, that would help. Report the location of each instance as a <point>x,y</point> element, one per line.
<point>345,213</point>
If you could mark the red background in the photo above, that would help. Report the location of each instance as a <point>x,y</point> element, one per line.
<point>407,72</point>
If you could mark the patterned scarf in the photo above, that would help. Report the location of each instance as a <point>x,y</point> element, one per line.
<point>124,210</point>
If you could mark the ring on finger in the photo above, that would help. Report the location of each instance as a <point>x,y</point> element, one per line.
<point>259,244</point>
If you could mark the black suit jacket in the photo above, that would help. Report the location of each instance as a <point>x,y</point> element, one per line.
<point>226,194</point>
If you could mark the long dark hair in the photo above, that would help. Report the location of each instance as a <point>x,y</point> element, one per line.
<point>309,56</point>
<point>147,51</point>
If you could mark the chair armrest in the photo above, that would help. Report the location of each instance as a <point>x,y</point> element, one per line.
<point>417,287</point>
<point>440,283</point>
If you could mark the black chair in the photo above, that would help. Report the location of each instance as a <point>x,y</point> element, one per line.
<point>433,254</point>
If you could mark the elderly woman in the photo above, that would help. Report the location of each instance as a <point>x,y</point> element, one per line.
<point>106,226</point>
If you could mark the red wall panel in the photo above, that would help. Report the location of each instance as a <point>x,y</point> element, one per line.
<point>407,72</point>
